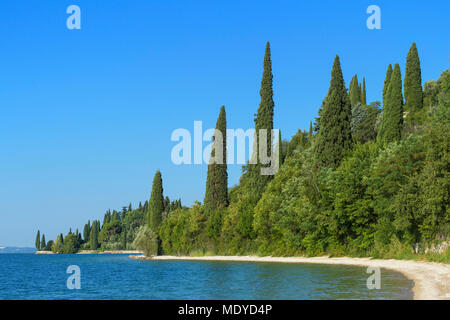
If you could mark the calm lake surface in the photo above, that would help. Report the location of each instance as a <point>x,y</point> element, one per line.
<point>104,276</point>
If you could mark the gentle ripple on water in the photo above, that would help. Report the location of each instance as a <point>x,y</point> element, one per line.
<point>28,276</point>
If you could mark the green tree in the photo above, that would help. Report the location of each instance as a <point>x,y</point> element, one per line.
<point>43,243</point>
<point>387,79</point>
<point>147,241</point>
<point>107,217</point>
<point>254,181</point>
<point>353,217</point>
<point>79,239</point>
<point>156,204</point>
<point>310,132</point>
<point>71,244</point>
<point>87,231</point>
<point>124,239</point>
<point>413,83</point>
<point>335,137</point>
<point>354,91</point>
<point>109,230</point>
<point>363,94</point>
<point>216,195</point>
<point>279,150</point>
<point>392,125</point>
<point>49,245</point>
<point>93,237</point>
<point>430,94</point>
<point>57,246</point>
<point>364,122</point>
<point>389,177</point>
<point>263,121</point>
<point>297,142</point>
<point>38,240</point>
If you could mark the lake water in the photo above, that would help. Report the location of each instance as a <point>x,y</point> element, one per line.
<point>103,276</point>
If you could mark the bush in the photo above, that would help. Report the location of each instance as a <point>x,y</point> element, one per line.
<point>109,230</point>
<point>70,244</point>
<point>147,241</point>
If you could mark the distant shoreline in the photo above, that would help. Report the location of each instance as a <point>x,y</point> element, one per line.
<point>431,280</point>
<point>97,252</point>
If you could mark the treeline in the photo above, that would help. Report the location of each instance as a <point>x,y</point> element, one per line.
<point>366,179</point>
<point>117,231</point>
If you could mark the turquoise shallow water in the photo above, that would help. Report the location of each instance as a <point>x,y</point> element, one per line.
<point>29,276</point>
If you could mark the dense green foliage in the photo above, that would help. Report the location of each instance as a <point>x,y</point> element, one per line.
<point>253,182</point>
<point>43,243</point>
<point>87,231</point>
<point>355,184</point>
<point>387,79</point>
<point>156,204</point>
<point>335,137</point>
<point>381,199</point>
<point>354,91</point>
<point>38,240</point>
<point>71,244</point>
<point>364,120</point>
<point>147,241</point>
<point>263,121</point>
<point>392,123</point>
<point>216,195</point>
<point>413,87</point>
<point>93,236</point>
<point>363,93</point>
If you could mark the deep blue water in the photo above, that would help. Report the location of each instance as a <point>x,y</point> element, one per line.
<point>29,276</point>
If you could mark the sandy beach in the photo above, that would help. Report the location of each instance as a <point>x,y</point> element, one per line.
<point>431,280</point>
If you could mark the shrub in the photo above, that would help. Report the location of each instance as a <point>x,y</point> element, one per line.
<point>146,241</point>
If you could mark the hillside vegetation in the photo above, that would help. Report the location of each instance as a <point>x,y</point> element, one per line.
<point>366,179</point>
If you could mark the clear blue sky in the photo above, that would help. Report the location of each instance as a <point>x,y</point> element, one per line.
<point>86,115</point>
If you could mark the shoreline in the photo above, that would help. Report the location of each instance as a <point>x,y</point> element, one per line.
<point>110,252</point>
<point>431,279</point>
<point>97,252</point>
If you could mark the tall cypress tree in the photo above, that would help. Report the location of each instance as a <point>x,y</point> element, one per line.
<point>264,120</point>
<point>145,209</point>
<point>216,195</point>
<point>279,150</point>
<point>156,204</point>
<point>38,240</point>
<point>363,94</point>
<point>354,91</point>
<point>359,91</point>
<point>413,83</point>
<point>335,136</point>
<point>387,79</point>
<point>43,243</point>
<point>93,237</point>
<point>79,239</point>
<point>87,231</point>
<point>392,125</point>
